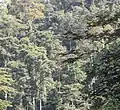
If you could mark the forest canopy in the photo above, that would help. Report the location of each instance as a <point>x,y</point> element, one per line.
<point>59,55</point>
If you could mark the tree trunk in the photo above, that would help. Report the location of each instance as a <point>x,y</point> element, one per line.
<point>40,104</point>
<point>72,104</point>
<point>21,101</point>
<point>33,103</point>
<point>6,96</point>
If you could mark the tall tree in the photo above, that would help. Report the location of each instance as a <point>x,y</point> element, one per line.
<point>6,83</point>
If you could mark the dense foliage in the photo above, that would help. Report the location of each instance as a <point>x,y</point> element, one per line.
<point>59,54</point>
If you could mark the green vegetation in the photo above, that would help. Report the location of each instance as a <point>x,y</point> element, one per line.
<point>6,88</point>
<point>59,55</point>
